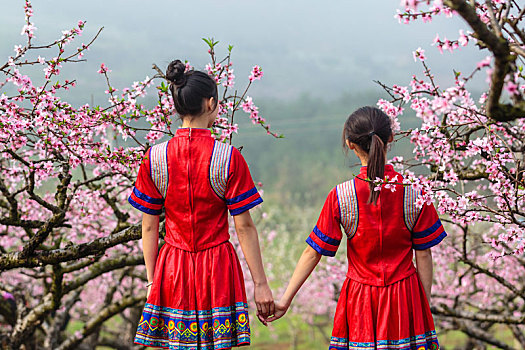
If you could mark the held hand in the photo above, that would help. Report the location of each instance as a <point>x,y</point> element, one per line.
<point>264,301</point>
<point>280,311</point>
<point>148,292</point>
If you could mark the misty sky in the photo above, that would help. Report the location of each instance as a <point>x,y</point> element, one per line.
<point>323,48</point>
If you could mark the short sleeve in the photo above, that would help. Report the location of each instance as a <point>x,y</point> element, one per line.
<point>241,194</point>
<point>145,196</point>
<point>428,230</point>
<point>326,235</point>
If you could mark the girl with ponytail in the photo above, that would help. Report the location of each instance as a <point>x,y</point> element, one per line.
<point>384,301</point>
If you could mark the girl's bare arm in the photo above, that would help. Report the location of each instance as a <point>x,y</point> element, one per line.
<point>249,240</point>
<point>150,243</point>
<point>425,270</point>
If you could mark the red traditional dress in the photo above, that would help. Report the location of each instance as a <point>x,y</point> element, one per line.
<point>197,299</point>
<point>382,304</point>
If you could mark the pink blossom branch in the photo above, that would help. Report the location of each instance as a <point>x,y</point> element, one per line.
<point>501,50</point>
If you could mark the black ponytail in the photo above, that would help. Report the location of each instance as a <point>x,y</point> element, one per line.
<point>188,89</point>
<point>376,164</point>
<point>370,129</point>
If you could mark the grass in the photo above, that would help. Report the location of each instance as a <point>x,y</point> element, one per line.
<point>288,333</point>
<point>292,333</point>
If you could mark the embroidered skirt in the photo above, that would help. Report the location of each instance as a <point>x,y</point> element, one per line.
<point>396,316</point>
<point>197,301</point>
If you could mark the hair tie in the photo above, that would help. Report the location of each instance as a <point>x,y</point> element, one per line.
<point>181,84</point>
<point>372,133</point>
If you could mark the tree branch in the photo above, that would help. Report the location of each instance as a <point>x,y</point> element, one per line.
<point>502,60</point>
<point>73,341</point>
<point>477,333</point>
<point>101,268</point>
<point>443,310</point>
<point>27,324</point>
<point>41,258</point>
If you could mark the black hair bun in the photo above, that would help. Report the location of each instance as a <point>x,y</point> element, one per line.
<point>175,73</point>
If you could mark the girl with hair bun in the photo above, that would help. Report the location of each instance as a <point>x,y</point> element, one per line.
<point>196,296</point>
<point>384,301</point>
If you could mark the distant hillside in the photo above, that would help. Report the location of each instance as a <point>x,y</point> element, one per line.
<point>309,161</point>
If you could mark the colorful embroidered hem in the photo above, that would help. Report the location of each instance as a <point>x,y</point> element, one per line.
<point>219,328</point>
<point>427,341</point>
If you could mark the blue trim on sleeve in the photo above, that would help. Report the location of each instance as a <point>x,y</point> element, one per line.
<point>432,243</point>
<point>242,197</point>
<point>318,249</point>
<point>325,238</point>
<point>428,231</point>
<point>147,198</point>
<point>143,208</point>
<point>248,206</point>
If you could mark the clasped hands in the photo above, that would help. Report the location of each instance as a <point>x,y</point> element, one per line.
<point>267,309</point>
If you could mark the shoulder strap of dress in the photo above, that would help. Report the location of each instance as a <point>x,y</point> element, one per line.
<point>410,210</point>
<point>220,167</point>
<point>159,167</point>
<point>348,207</point>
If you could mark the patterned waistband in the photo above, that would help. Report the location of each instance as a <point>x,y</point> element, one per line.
<point>352,275</point>
<point>199,249</point>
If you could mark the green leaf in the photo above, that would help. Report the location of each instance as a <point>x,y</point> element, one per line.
<point>163,87</point>
<point>211,42</point>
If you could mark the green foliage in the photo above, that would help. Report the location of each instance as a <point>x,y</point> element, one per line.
<point>212,43</point>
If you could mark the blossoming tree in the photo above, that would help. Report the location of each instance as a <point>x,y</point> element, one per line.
<point>473,150</point>
<point>469,159</point>
<point>68,249</point>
